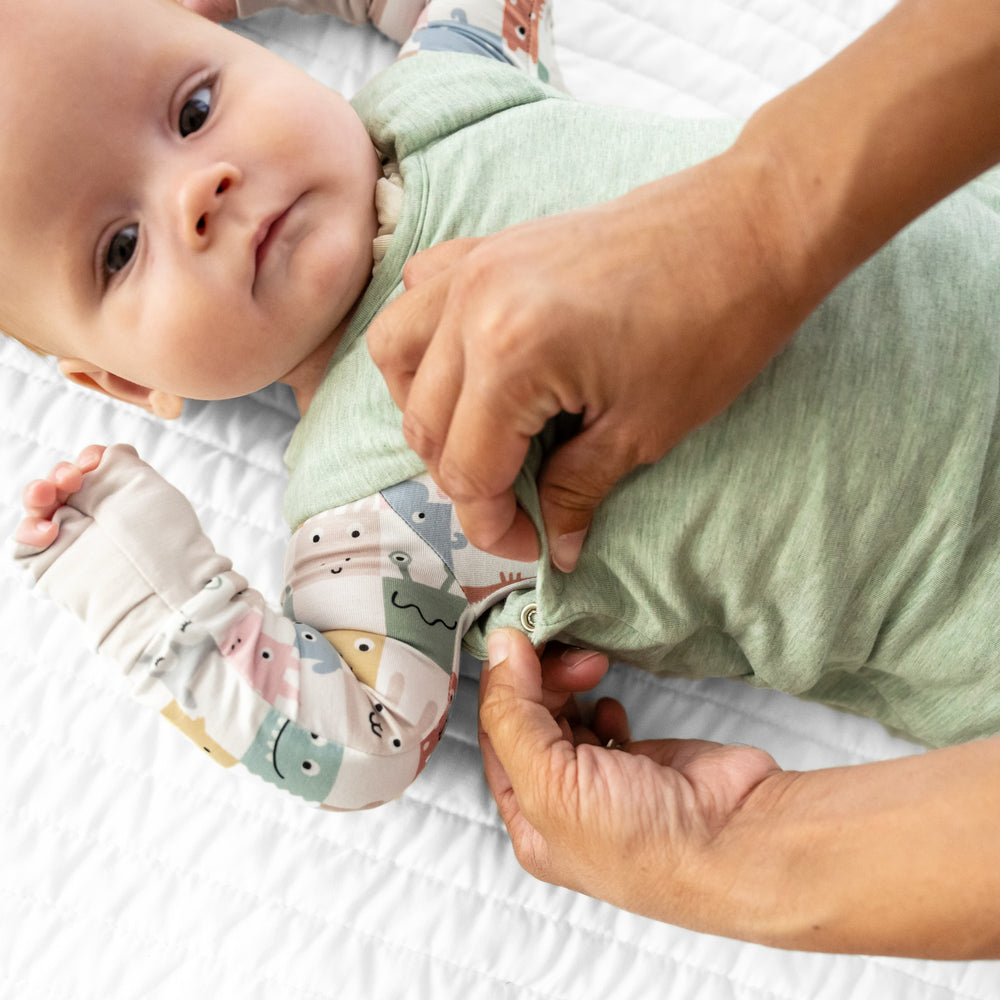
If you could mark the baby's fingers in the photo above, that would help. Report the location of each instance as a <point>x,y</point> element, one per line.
<point>90,458</point>
<point>38,532</point>
<point>43,497</point>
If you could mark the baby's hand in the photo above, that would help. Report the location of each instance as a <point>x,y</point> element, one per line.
<point>214,10</point>
<point>43,497</point>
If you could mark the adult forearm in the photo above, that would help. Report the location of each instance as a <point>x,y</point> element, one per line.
<point>896,857</point>
<point>894,123</point>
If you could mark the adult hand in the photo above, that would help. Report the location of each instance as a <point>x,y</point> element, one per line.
<point>647,315</point>
<point>632,826</point>
<point>720,839</point>
<point>567,671</point>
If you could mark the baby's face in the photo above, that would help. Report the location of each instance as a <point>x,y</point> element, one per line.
<point>178,207</point>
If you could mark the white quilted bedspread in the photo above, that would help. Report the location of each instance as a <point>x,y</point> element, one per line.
<point>130,868</point>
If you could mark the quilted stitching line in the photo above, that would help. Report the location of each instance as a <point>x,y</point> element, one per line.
<point>142,944</point>
<point>391,861</point>
<point>236,889</point>
<point>234,808</point>
<point>95,403</point>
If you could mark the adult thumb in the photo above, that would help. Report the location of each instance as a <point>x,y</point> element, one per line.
<point>576,478</point>
<point>515,728</point>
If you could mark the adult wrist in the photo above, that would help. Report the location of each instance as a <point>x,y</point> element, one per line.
<point>752,878</point>
<point>805,227</point>
<point>894,123</point>
<point>891,858</point>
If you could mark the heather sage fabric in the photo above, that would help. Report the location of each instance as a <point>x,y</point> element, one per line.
<point>833,534</point>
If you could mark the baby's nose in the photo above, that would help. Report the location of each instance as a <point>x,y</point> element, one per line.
<point>202,197</point>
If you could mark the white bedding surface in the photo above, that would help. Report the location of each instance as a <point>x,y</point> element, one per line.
<point>131,868</point>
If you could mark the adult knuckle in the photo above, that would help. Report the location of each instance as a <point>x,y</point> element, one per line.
<point>425,440</point>
<point>579,495</point>
<point>493,708</point>
<point>381,340</point>
<point>415,270</point>
<point>463,484</point>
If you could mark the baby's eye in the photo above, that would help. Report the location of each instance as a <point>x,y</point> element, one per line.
<point>121,248</point>
<point>195,111</point>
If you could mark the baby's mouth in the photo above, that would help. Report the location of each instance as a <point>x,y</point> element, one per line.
<point>266,235</point>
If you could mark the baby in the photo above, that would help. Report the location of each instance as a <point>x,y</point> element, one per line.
<point>205,221</point>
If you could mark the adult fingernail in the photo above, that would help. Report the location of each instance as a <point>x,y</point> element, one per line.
<point>565,550</point>
<point>574,658</point>
<point>498,646</point>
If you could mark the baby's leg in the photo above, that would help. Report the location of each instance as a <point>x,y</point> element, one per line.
<point>394,18</point>
<point>515,31</point>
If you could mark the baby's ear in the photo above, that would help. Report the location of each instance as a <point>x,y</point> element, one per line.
<point>160,404</point>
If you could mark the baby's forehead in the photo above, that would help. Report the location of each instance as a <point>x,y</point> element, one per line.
<point>71,69</point>
<point>45,35</point>
<point>57,54</point>
<point>74,68</point>
<point>63,40</point>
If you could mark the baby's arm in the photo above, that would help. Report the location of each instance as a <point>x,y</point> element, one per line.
<point>119,547</point>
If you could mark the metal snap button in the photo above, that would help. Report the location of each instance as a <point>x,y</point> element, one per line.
<point>529,617</point>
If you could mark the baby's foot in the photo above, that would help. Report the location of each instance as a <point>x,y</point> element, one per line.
<point>43,497</point>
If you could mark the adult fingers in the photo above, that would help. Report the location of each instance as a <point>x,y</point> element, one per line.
<point>520,739</point>
<point>499,526</point>
<point>473,429</point>
<point>471,447</point>
<point>577,477</point>
<point>423,366</point>
<point>569,670</point>
<point>505,399</point>
<point>610,723</point>
<point>429,263</point>
<point>400,334</point>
